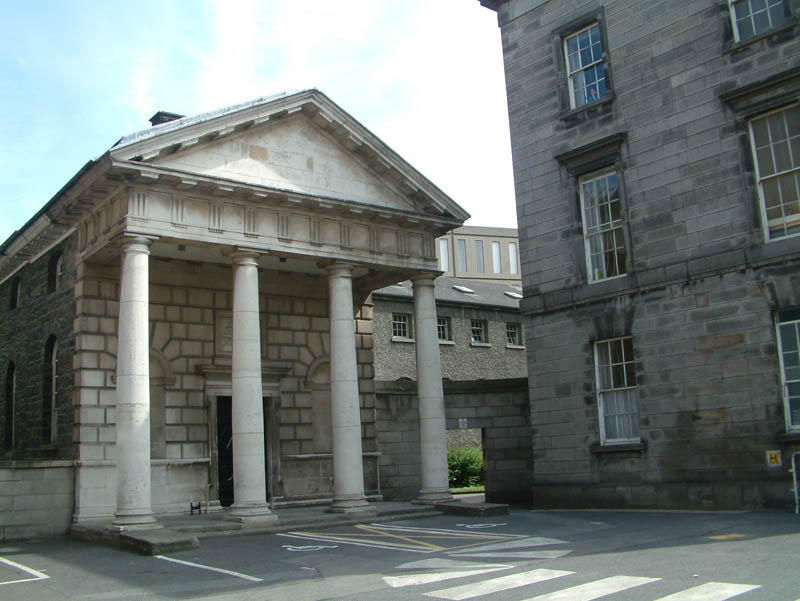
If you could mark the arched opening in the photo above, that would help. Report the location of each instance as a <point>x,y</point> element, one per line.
<point>54,272</point>
<point>318,379</point>
<point>160,377</point>
<point>13,300</point>
<point>11,385</point>
<point>50,380</point>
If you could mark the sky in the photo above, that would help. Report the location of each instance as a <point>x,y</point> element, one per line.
<point>425,76</point>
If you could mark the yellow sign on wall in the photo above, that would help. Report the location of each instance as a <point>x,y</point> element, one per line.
<point>774,458</point>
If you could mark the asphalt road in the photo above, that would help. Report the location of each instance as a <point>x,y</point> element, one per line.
<point>542,556</point>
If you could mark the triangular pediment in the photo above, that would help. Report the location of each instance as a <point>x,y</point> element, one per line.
<point>302,143</point>
<point>291,154</point>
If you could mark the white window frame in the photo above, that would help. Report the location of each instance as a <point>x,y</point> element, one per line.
<point>515,329</point>
<point>513,264</point>
<point>786,382</point>
<point>497,259</point>
<point>401,326</point>
<point>444,329</point>
<point>765,222</point>
<point>444,258</point>
<point>462,255</point>
<point>478,325</point>
<point>735,21</point>
<point>628,389</point>
<point>582,68</point>
<point>480,265</point>
<point>599,273</point>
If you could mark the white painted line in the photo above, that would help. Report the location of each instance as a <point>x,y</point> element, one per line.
<point>397,547</point>
<point>413,579</point>
<point>504,555</point>
<point>440,563</point>
<point>210,569</point>
<point>711,591</point>
<point>380,526</point>
<point>495,585</point>
<point>529,541</point>
<point>37,575</point>
<point>595,590</point>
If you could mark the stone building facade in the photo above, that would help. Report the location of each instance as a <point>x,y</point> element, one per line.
<point>185,321</point>
<point>657,163</point>
<point>482,352</point>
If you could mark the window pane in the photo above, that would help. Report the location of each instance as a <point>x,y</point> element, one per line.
<point>444,263</point>
<point>496,264</point>
<point>512,258</point>
<point>462,255</point>
<point>479,256</point>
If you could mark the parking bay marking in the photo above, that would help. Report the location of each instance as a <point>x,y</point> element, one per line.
<point>406,538</point>
<point>210,568</point>
<point>37,575</point>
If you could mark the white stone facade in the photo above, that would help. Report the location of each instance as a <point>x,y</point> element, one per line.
<point>220,263</point>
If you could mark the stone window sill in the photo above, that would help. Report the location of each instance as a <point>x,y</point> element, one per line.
<point>627,447</point>
<point>480,344</point>
<point>517,347</point>
<point>574,112</point>
<point>736,46</point>
<point>447,342</point>
<point>399,339</point>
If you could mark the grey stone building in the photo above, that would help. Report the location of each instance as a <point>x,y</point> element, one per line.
<point>185,321</point>
<point>656,156</point>
<point>482,353</point>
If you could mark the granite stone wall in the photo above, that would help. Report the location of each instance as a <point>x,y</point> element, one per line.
<point>500,408</point>
<point>45,311</point>
<point>701,285</point>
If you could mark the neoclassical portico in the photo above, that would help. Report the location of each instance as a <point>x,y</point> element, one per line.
<point>253,235</point>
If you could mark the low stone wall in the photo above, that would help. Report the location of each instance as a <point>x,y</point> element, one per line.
<point>499,407</point>
<point>36,498</point>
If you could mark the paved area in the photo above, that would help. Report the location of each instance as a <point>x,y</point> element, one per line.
<point>523,556</point>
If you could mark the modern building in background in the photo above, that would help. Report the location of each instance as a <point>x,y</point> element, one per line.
<point>656,156</point>
<point>488,254</point>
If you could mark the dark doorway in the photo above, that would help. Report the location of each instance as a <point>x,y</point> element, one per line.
<point>225,451</point>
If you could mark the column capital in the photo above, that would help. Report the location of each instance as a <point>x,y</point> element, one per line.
<point>242,256</point>
<point>137,244</point>
<point>340,269</point>
<point>424,278</point>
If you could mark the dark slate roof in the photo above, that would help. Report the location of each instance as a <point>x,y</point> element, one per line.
<point>489,294</point>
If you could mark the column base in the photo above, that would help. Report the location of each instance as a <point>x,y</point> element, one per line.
<point>123,522</point>
<point>356,505</point>
<point>251,515</point>
<point>431,497</point>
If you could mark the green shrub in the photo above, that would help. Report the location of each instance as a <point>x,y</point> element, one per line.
<point>464,467</point>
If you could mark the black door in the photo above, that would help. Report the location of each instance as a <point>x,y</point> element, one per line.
<point>225,451</point>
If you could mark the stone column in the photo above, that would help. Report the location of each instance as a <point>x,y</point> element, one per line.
<point>432,432</point>
<point>348,470</point>
<point>249,477</point>
<point>133,391</point>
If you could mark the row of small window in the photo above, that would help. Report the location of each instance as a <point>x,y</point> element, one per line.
<point>49,413</point>
<point>775,139</point>
<point>479,263</point>
<point>54,278</point>
<point>584,53</point>
<point>615,374</point>
<point>479,330</point>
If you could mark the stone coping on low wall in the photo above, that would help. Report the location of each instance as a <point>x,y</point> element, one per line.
<point>454,386</point>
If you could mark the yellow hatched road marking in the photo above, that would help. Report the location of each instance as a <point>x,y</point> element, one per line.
<point>406,538</point>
